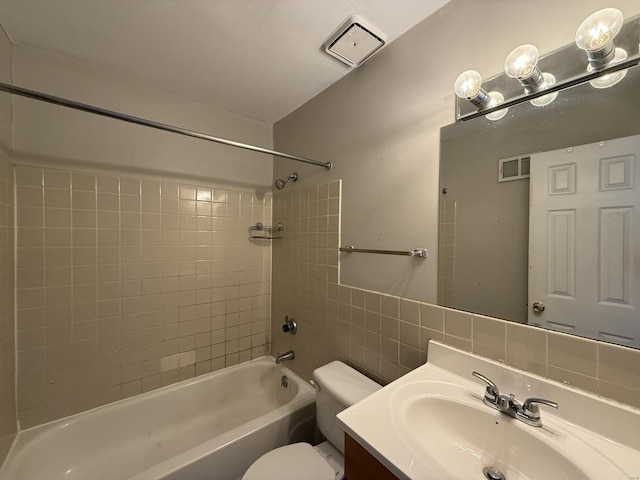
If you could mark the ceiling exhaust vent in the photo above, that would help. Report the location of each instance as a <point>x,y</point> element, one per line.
<point>354,41</point>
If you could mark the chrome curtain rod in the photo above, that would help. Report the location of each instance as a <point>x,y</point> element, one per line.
<point>418,252</point>
<point>63,102</point>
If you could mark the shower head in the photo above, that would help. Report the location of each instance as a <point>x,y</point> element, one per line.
<point>281,182</point>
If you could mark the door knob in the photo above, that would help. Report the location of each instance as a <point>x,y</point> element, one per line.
<point>538,307</point>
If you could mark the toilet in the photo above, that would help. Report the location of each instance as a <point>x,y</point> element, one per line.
<point>338,387</point>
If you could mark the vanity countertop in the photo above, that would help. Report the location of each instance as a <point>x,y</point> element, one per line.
<point>423,425</point>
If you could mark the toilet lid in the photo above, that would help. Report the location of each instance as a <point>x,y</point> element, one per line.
<point>299,461</point>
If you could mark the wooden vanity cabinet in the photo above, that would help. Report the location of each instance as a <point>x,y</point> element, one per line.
<point>361,465</point>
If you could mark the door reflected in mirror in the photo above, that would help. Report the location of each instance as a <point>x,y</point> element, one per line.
<point>582,226</point>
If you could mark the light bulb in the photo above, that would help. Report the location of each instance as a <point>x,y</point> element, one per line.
<point>468,85</point>
<point>522,62</point>
<point>610,79</point>
<point>596,37</point>
<point>496,98</point>
<point>548,81</point>
<point>599,29</point>
<point>596,34</point>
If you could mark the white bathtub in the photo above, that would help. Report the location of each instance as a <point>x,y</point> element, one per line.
<point>209,428</point>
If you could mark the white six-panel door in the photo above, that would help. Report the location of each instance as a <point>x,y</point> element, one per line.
<point>584,240</point>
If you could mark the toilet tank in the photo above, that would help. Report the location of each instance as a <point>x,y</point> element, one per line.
<point>340,387</point>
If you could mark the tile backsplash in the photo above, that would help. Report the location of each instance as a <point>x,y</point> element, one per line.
<point>128,284</point>
<point>7,324</point>
<point>446,251</point>
<point>386,336</point>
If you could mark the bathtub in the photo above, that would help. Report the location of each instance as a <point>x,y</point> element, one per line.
<point>209,428</point>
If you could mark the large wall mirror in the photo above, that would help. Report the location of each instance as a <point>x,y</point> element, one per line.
<point>540,213</point>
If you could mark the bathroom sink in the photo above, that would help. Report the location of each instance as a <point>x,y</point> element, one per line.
<point>464,436</point>
<point>433,424</point>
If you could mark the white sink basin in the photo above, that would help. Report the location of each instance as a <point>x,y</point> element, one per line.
<point>464,436</point>
<point>432,424</point>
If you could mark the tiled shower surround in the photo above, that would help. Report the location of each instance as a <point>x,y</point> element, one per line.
<point>7,324</point>
<point>386,336</point>
<point>128,284</point>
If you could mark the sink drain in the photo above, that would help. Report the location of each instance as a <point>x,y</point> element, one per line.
<point>492,473</point>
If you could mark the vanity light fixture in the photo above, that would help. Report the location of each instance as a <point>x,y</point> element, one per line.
<point>522,64</point>
<point>468,85</point>
<point>596,35</point>
<point>611,47</point>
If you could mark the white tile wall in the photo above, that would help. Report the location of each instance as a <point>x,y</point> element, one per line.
<point>128,284</point>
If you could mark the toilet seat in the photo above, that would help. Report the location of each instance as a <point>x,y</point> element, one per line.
<point>299,461</point>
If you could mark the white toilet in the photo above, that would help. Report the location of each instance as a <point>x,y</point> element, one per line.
<point>338,387</point>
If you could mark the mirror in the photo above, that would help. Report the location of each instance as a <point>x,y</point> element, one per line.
<point>484,229</point>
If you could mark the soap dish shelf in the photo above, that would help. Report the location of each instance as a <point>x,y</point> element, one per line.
<point>265,232</point>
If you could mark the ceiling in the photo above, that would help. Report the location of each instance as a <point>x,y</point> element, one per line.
<point>258,58</point>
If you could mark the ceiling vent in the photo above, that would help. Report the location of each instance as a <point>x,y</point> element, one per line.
<point>354,41</point>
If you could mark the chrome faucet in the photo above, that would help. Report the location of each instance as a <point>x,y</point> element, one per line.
<point>285,356</point>
<point>527,412</point>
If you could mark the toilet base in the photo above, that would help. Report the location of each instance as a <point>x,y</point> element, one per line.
<point>333,457</point>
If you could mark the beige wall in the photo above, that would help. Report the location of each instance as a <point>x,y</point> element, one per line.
<point>126,284</point>
<point>7,318</point>
<point>52,135</point>
<point>386,336</point>
<point>380,127</point>
<point>380,124</point>
<point>8,425</point>
<point>6,51</point>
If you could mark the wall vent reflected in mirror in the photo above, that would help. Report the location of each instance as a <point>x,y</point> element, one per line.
<point>513,169</point>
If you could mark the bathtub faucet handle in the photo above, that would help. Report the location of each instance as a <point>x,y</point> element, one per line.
<point>289,325</point>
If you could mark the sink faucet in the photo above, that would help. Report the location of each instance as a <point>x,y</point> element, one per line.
<point>527,412</point>
<point>285,356</point>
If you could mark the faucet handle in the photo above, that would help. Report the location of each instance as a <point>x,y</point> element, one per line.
<point>491,393</point>
<point>289,325</point>
<point>530,407</point>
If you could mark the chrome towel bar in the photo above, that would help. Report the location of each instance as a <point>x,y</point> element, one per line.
<point>418,252</point>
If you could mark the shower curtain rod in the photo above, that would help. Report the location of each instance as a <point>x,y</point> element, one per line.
<point>63,102</point>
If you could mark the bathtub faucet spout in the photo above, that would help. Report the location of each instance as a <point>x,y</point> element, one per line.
<point>285,356</point>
